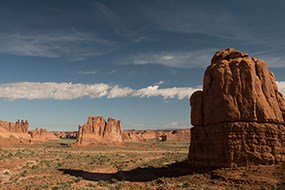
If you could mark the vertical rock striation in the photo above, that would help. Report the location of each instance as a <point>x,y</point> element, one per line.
<point>239,116</point>
<point>14,133</point>
<point>39,134</point>
<point>98,131</point>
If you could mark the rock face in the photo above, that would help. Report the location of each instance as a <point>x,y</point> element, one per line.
<point>42,135</point>
<point>51,136</point>
<point>14,133</point>
<point>239,116</point>
<point>98,131</point>
<point>162,135</point>
<point>65,134</point>
<point>17,127</point>
<point>39,134</point>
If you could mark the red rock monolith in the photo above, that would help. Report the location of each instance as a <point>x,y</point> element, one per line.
<point>98,131</point>
<point>239,116</point>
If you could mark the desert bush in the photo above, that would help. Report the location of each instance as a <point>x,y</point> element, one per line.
<point>24,173</point>
<point>78,179</point>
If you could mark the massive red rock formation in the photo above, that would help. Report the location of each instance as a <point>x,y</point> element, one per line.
<point>161,135</point>
<point>239,116</point>
<point>98,131</point>
<point>13,133</point>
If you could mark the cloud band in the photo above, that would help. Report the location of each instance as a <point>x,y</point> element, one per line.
<point>69,91</point>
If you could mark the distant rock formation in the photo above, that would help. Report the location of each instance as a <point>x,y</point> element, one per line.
<point>39,134</point>
<point>51,136</point>
<point>239,116</point>
<point>161,135</point>
<point>17,127</point>
<point>14,133</point>
<point>98,131</point>
<point>66,134</point>
<point>42,135</point>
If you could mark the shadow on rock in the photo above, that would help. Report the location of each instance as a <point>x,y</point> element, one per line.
<point>139,174</point>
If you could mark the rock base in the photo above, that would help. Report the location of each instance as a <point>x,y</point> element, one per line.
<point>237,144</point>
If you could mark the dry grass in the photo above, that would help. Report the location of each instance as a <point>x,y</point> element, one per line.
<point>155,165</point>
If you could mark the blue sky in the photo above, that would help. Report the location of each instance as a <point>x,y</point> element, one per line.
<point>134,60</point>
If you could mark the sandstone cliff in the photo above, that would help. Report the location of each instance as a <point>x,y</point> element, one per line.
<point>13,133</point>
<point>161,135</point>
<point>239,116</point>
<point>39,134</point>
<point>98,131</point>
<point>65,134</point>
<point>51,136</point>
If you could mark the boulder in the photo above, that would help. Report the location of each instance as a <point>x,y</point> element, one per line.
<point>239,115</point>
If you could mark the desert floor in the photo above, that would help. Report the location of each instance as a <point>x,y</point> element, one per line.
<point>156,165</point>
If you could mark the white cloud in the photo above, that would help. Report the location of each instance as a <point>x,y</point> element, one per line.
<point>51,90</point>
<point>92,72</point>
<point>274,61</point>
<point>52,44</point>
<point>160,82</point>
<point>186,59</point>
<point>281,87</point>
<point>216,21</point>
<point>117,92</point>
<point>69,91</point>
<point>177,125</point>
<point>167,57</point>
<point>175,92</point>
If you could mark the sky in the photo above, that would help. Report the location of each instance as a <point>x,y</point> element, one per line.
<point>134,60</point>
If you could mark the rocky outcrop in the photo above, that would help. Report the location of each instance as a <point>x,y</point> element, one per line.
<point>51,136</point>
<point>42,135</point>
<point>239,116</point>
<point>65,134</point>
<point>161,135</point>
<point>17,127</point>
<point>113,131</point>
<point>39,134</point>
<point>177,135</point>
<point>98,131</point>
<point>14,133</point>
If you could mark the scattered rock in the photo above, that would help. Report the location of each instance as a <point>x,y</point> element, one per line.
<point>239,116</point>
